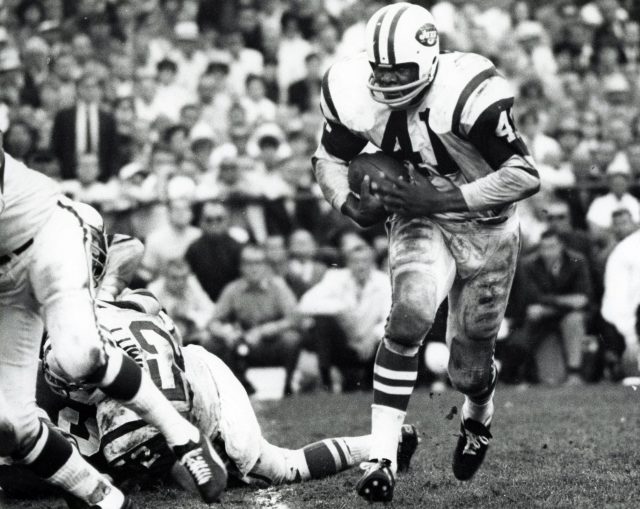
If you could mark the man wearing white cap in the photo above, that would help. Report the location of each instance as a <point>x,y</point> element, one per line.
<point>600,213</point>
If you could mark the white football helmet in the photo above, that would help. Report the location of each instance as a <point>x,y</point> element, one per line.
<point>97,240</point>
<point>402,34</point>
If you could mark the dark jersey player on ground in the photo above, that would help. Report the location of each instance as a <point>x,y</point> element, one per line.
<point>453,230</point>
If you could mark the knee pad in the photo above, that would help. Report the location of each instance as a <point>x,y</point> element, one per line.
<point>470,365</point>
<point>408,323</point>
<point>413,311</point>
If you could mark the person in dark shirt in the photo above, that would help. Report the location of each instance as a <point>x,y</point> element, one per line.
<point>215,257</point>
<point>557,285</point>
<point>254,320</point>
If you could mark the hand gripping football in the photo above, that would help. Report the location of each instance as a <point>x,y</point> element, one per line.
<point>375,165</point>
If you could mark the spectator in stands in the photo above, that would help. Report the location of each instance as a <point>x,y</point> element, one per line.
<point>349,307</point>
<point>622,225</point>
<point>254,318</point>
<point>20,140</point>
<point>184,300</point>
<point>303,270</point>
<point>258,108</point>
<point>170,241</point>
<point>275,250</point>
<point>558,220</point>
<point>600,212</point>
<point>244,61</point>
<point>304,94</point>
<point>169,95</point>
<point>85,129</point>
<point>558,290</point>
<point>214,98</point>
<point>620,305</point>
<point>215,257</point>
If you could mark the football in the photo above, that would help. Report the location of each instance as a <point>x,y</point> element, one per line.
<point>375,165</point>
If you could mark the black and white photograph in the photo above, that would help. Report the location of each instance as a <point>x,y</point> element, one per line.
<point>319,254</point>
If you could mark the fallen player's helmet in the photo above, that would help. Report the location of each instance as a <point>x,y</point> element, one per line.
<point>402,36</point>
<point>94,228</point>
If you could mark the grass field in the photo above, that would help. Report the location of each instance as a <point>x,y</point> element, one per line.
<point>570,447</point>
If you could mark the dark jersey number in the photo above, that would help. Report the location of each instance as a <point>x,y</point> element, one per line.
<point>159,346</point>
<point>396,134</point>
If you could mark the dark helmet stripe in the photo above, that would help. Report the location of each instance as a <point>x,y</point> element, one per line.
<point>376,36</point>
<point>391,54</point>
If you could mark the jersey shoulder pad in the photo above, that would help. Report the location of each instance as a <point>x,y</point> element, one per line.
<point>345,98</point>
<point>492,91</point>
<point>459,77</point>
<point>140,300</point>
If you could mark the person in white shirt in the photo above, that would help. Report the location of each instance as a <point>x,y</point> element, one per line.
<point>350,307</point>
<point>258,108</point>
<point>622,297</point>
<point>171,241</point>
<point>600,213</point>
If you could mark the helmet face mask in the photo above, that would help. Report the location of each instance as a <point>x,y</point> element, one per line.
<point>98,255</point>
<point>402,48</point>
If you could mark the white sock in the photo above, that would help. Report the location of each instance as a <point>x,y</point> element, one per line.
<point>80,479</point>
<point>150,404</point>
<point>359,448</point>
<point>481,412</point>
<point>386,426</point>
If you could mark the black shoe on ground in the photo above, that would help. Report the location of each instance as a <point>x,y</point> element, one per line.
<point>472,446</point>
<point>205,468</point>
<point>377,483</point>
<point>407,446</point>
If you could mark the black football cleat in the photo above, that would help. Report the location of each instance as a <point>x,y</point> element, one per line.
<point>407,446</point>
<point>377,482</point>
<point>205,468</point>
<point>472,446</point>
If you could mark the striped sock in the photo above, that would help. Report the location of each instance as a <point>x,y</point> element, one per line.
<point>333,455</point>
<point>53,458</point>
<point>394,376</point>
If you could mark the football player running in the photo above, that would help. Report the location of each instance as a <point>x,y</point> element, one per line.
<point>198,384</point>
<point>46,281</point>
<point>452,226</point>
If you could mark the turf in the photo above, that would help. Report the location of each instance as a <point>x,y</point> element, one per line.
<point>554,447</point>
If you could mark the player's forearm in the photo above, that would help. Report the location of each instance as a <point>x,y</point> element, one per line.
<point>332,179</point>
<point>515,180</point>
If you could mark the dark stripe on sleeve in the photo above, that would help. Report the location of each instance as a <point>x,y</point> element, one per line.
<point>464,96</point>
<point>392,32</point>
<point>327,95</point>
<point>340,142</point>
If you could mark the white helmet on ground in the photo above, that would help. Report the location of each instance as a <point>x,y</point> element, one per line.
<point>402,35</point>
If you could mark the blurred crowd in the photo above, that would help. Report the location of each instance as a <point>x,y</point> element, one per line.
<point>190,124</point>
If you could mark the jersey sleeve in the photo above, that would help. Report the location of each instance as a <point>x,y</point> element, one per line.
<point>487,123</point>
<point>337,140</point>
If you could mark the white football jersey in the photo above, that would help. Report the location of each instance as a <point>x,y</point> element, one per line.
<point>153,342</point>
<point>27,200</point>
<point>460,131</point>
